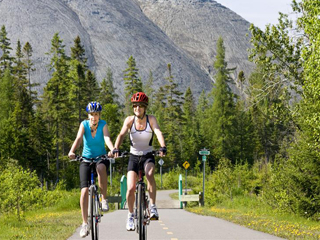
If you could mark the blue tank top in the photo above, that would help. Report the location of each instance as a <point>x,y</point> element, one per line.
<point>93,147</point>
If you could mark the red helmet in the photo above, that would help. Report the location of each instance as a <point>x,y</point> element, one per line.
<point>140,97</point>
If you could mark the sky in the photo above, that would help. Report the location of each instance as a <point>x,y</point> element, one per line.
<point>259,12</point>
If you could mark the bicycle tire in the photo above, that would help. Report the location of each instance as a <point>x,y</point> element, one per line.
<point>91,209</point>
<point>140,211</point>
<point>96,217</point>
<point>145,216</point>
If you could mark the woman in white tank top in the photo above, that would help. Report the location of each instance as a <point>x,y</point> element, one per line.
<point>141,128</point>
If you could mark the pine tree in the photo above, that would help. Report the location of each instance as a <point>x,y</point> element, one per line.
<point>150,92</point>
<point>108,91</point>
<point>6,94</point>
<point>78,52</point>
<point>39,141</point>
<point>132,82</point>
<point>56,107</point>
<point>110,108</point>
<point>5,58</point>
<point>6,108</point>
<point>202,125</point>
<point>92,86</point>
<point>21,87</point>
<point>79,87</point>
<point>21,116</point>
<point>27,52</point>
<point>223,108</point>
<point>173,120</point>
<point>191,144</point>
<point>160,105</point>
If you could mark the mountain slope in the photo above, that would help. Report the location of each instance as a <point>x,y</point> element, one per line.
<point>112,30</point>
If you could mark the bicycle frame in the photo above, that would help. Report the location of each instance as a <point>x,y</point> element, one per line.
<point>142,208</point>
<point>94,213</point>
<point>142,212</point>
<point>94,206</point>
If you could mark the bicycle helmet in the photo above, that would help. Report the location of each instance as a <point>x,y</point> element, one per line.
<point>140,97</point>
<point>93,107</point>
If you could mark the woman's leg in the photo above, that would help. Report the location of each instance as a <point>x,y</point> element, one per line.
<point>102,180</point>
<point>84,204</point>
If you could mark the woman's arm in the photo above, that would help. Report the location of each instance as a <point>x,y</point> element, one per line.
<point>77,142</point>
<point>125,128</point>
<point>157,131</point>
<point>107,138</point>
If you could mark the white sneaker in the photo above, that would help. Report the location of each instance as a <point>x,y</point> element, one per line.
<point>84,230</point>
<point>130,223</point>
<point>154,213</point>
<point>104,205</point>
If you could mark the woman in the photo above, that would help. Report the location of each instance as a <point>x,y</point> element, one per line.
<point>94,133</point>
<point>141,128</point>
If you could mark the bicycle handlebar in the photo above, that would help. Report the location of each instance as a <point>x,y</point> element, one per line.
<point>126,154</point>
<point>81,158</point>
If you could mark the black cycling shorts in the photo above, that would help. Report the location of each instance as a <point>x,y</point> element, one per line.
<point>85,173</point>
<point>133,164</point>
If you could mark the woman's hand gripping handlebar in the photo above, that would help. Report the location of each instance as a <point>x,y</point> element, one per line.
<point>118,154</point>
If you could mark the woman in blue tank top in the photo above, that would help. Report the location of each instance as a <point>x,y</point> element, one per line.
<point>94,134</point>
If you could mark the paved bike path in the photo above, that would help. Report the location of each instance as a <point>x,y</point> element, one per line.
<point>174,224</point>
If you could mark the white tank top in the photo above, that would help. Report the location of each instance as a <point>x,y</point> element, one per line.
<point>141,140</point>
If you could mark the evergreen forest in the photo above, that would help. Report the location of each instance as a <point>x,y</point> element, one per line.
<point>264,141</point>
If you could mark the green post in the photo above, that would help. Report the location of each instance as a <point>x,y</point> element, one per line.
<point>123,190</point>
<point>180,190</point>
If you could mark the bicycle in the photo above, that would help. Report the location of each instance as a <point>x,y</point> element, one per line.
<point>94,206</point>
<point>142,211</point>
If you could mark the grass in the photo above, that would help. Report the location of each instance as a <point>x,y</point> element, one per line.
<point>58,222</point>
<point>252,213</point>
<point>46,224</point>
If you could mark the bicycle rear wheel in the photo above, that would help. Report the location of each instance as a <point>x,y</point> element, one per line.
<point>142,228</point>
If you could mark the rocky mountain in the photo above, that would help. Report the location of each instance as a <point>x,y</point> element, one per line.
<point>154,32</point>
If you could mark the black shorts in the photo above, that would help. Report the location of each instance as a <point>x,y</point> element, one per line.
<point>133,164</point>
<point>85,173</point>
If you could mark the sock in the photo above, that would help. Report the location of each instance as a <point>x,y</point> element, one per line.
<point>130,214</point>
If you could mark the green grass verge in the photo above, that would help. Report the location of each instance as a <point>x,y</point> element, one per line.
<point>58,222</point>
<point>46,224</point>
<point>254,214</point>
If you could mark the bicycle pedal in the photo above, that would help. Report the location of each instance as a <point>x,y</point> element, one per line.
<point>154,218</point>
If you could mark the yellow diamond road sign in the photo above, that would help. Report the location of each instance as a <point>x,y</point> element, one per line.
<point>186,164</point>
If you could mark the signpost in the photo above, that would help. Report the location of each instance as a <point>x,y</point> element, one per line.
<point>204,152</point>
<point>161,162</point>
<point>186,164</point>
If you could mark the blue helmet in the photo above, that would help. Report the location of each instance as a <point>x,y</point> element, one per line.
<point>93,107</point>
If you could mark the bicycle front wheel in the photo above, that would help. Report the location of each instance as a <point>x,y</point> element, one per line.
<point>92,212</point>
<point>96,218</point>
<point>141,209</point>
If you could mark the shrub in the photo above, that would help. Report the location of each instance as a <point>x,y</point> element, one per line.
<point>17,185</point>
<point>21,191</point>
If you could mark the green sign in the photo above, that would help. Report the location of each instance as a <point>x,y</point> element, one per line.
<point>204,158</point>
<point>204,152</point>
